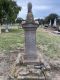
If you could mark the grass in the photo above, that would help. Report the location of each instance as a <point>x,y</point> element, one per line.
<point>11,40</point>
<point>48,44</point>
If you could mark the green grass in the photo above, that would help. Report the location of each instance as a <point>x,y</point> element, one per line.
<point>11,40</point>
<point>48,44</point>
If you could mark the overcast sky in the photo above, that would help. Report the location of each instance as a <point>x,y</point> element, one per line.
<point>41,8</point>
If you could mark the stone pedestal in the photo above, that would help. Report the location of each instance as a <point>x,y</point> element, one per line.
<point>30,42</point>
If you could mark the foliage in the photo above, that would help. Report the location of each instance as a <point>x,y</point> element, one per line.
<point>19,20</point>
<point>51,17</point>
<point>8,10</point>
<point>41,21</point>
<point>47,19</point>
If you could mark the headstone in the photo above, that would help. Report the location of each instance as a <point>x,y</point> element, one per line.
<point>45,26</point>
<point>50,23</point>
<point>55,24</point>
<point>6,28</point>
<point>0,30</point>
<point>59,29</point>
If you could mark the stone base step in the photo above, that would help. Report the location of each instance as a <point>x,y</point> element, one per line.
<point>31,62</point>
<point>30,78</point>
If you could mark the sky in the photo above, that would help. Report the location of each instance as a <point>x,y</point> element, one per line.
<point>40,8</point>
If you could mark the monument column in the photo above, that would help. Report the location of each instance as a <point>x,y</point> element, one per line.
<point>30,41</point>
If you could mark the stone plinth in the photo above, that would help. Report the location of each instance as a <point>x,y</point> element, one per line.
<point>30,42</point>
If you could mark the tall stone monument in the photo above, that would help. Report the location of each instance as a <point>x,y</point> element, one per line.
<point>30,27</point>
<point>28,65</point>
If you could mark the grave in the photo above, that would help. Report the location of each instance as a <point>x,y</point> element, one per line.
<point>57,27</point>
<point>55,23</point>
<point>0,30</point>
<point>50,23</point>
<point>6,28</point>
<point>45,26</point>
<point>28,66</point>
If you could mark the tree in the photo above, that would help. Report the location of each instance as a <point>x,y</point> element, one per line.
<point>41,21</point>
<point>51,17</point>
<point>19,20</point>
<point>8,10</point>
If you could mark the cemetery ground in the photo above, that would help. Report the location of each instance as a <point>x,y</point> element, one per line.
<point>48,44</point>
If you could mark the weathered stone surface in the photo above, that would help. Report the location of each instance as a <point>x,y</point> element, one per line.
<point>30,41</point>
<point>29,72</point>
<point>30,28</point>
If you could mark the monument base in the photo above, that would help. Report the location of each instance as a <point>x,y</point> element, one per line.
<point>25,70</point>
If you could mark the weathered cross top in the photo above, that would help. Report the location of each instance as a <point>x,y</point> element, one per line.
<point>30,17</point>
<point>29,7</point>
